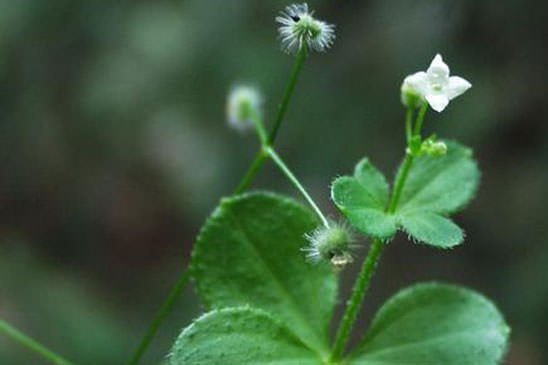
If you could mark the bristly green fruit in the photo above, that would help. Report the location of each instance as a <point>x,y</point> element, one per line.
<point>249,253</point>
<point>436,186</point>
<point>331,244</point>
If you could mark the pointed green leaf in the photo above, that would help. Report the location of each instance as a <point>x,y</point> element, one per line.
<point>249,253</point>
<point>431,228</point>
<point>240,336</point>
<point>363,198</point>
<point>434,324</point>
<point>441,184</point>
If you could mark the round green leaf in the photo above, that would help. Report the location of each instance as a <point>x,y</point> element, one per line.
<point>363,198</point>
<point>249,253</point>
<point>441,184</point>
<point>373,182</point>
<point>431,228</point>
<point>435,324</point>
<point>240,336</point>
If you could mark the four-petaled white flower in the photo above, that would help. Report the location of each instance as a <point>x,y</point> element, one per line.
<point>299,28</point>
<point>435,85</point>
<point>244,102</point>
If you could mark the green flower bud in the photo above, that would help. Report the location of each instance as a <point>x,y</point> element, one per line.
<point>409,96</point>
<point>243,102</point>
<point>433,148</point>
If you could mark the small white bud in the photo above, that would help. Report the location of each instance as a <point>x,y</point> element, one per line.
<point>409,96</point>
<point>330,244</point>
<point>299,27</point>
<point>243,103</point>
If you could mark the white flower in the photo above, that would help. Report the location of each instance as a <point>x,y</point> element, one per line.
<point>435,85</point>
<point>243,103</point>
<point>299,28</point>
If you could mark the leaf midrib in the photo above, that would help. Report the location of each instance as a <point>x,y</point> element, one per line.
<point>380,200</point>
<point>424,341</point>
<point>376,328</point>
<point>409,199</point>
<point>285,293</point>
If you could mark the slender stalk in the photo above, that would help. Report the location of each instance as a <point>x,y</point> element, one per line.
<point>250,174</point>
<point>358,292</point>
<point>261,156</point>
<point>288,93</point>
<point>31,344</point>
<point>278,161</point>
<point>261,132</point>
<point>370,263</point>
<point>407,162</point>
<point>420,119</point>
<point>408,121</point>
<point>170,301</point>
<point>400,181</point>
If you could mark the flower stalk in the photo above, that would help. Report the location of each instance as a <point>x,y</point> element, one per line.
<point>31,344</point>
<point>293,179</point>
<point>297,68</point>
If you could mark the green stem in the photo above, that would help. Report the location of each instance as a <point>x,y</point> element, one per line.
<point>251,172</point>
<point>31,344</point>
<point>261,132</point>
<point>407,162</point>
<point>370,263</point>
<point>277,159</point>
<point>420,118</point>
<point>244,184</point>
<point>400,181</point>
<point>169,303</point>
<point>408,121</point>
<point>288,93</point>
<point>354,304</point>
<point>261,156</point>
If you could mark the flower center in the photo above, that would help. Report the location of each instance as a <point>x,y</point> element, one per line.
<point>306,26</point>
<point>437,87</point>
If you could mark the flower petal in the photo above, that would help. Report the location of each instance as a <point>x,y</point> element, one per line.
<point>418,82</point>
<point>438,102</point>
<point>438,70</point>
<point>457,85</point>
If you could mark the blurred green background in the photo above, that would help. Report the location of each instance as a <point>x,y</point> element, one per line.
<point>114,149</point>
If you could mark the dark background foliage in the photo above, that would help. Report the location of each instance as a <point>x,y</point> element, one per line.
<point>114,149</point>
